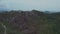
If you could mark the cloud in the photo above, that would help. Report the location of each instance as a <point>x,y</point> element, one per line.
<point>31,4</point>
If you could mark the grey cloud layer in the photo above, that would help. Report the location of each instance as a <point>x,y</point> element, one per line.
<point>31,4</point>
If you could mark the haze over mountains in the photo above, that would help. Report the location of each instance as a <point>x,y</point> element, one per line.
<point>29,17</point>
<point>49,5</point>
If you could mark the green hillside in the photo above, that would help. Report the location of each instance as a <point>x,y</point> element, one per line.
<point>29,22</point>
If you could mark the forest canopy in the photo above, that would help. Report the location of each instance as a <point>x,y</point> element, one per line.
<point>30,22</point>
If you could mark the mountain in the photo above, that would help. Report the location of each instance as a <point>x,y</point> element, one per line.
<point>30,22</point>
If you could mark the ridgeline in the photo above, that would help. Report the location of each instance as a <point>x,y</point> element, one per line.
<point>29,22</point>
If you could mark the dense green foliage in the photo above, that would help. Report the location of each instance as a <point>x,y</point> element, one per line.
<point>30,22</point>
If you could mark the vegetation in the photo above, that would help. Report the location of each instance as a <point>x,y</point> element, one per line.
<point>30,22</point>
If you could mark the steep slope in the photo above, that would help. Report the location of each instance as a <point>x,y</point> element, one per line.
<point>29,22</point>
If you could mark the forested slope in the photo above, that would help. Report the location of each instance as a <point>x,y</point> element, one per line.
<point>29,22</point>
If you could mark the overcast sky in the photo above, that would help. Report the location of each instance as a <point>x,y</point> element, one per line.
<point>53,5</point>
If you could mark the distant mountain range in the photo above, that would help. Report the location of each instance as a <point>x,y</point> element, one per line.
<point>3,9</point>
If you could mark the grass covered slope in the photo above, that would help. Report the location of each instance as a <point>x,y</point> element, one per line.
<point>30,22</point>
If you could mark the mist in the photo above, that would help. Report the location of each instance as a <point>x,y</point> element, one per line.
<point>50,5</point>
